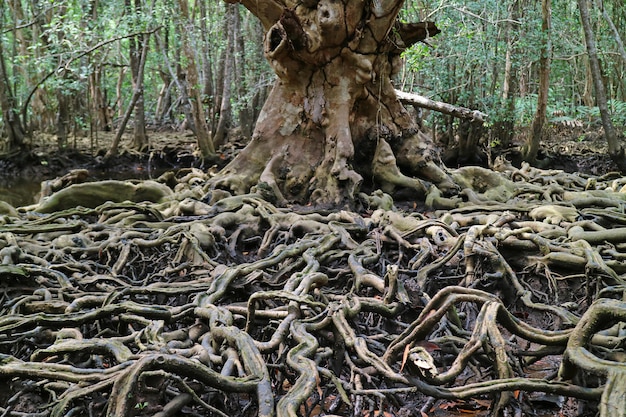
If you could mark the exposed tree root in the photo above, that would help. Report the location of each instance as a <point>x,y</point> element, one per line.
<point>205,303</point>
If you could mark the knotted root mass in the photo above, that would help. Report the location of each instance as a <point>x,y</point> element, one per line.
<point>203,303</point>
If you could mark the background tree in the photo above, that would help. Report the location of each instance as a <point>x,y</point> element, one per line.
<point>192,83</point>
<point>615,149</point>
<point>537,131</point>
<point>502,131</point>
<point>68,68</point>
<point>136,97</point>
<point>226,77</point>
<point>11,118</point>
<point>137,47</point>
<point>467,63</point>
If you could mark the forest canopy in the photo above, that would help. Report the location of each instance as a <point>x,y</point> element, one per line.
<point>67,67</point>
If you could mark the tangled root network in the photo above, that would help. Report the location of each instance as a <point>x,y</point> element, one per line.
<point>507,297</point>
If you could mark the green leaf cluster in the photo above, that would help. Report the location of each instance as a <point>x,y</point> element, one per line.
<point>466,64</point>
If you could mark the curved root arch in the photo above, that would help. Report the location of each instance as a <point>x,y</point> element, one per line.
<point>229,305</point>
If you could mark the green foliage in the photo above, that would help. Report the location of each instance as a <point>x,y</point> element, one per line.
<point>466,64</point>
<point>59,45</point>
<point>618,112</point>
<point>141,405</point>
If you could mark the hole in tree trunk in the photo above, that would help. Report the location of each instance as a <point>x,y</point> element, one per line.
<point>276,37</point>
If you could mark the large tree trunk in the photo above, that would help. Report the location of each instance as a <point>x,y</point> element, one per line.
<point>333,117</point>
<point>615,149</point>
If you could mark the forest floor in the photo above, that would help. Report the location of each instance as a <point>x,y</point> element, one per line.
<point>576,151</point>
<point>570,149</point>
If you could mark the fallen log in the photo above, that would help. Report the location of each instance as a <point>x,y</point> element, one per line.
<point>441,107</point>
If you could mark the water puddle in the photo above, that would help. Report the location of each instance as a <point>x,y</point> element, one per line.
<point>22,191</point>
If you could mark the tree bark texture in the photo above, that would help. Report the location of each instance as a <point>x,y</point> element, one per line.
<point>140,137</point>
<point>333,116</point>
<point>529,151</point>
<point>615,149</point>
<point>13,125</point>
<point>203,138</point>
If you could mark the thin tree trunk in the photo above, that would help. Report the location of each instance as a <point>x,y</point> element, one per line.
<point>10,116</point>
<point>531,148</point>
<point>140,138</point>
<point>214,114</point>
<point>23,40</point>
<point>615,149</point>
<point>245,112</point>
<point>63,119</point>
<point>616,35</point>
<point>164,100</point>
<point>176,79</point>
<point>99,104</point>
<point>203,139</point>
<point>225,118</point>
<point>208,88</point>
<point>136,94</point>
<point>119,97</point>
<point>503,128</point>
<point>262,89</point>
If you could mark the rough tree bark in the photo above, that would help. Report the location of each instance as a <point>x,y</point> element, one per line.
<point>531,148</point>
<point>615,149</point>
<point>333,117</point>
<point>15,131</point>
<point>193,85</point>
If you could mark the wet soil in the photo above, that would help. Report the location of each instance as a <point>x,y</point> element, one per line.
<point>576,149</point>
<point>21,175</point>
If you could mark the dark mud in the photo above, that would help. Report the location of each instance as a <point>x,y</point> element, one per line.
<point>571,150</point>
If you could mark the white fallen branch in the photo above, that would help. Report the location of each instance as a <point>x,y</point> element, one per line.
<point>441,107</point>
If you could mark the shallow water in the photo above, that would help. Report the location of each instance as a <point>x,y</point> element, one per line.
<point>19,191</point>
<point>22,191</point>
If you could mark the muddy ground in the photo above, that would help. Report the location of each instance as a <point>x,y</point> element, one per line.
<point>576,149</point>
<point>21,175</point>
